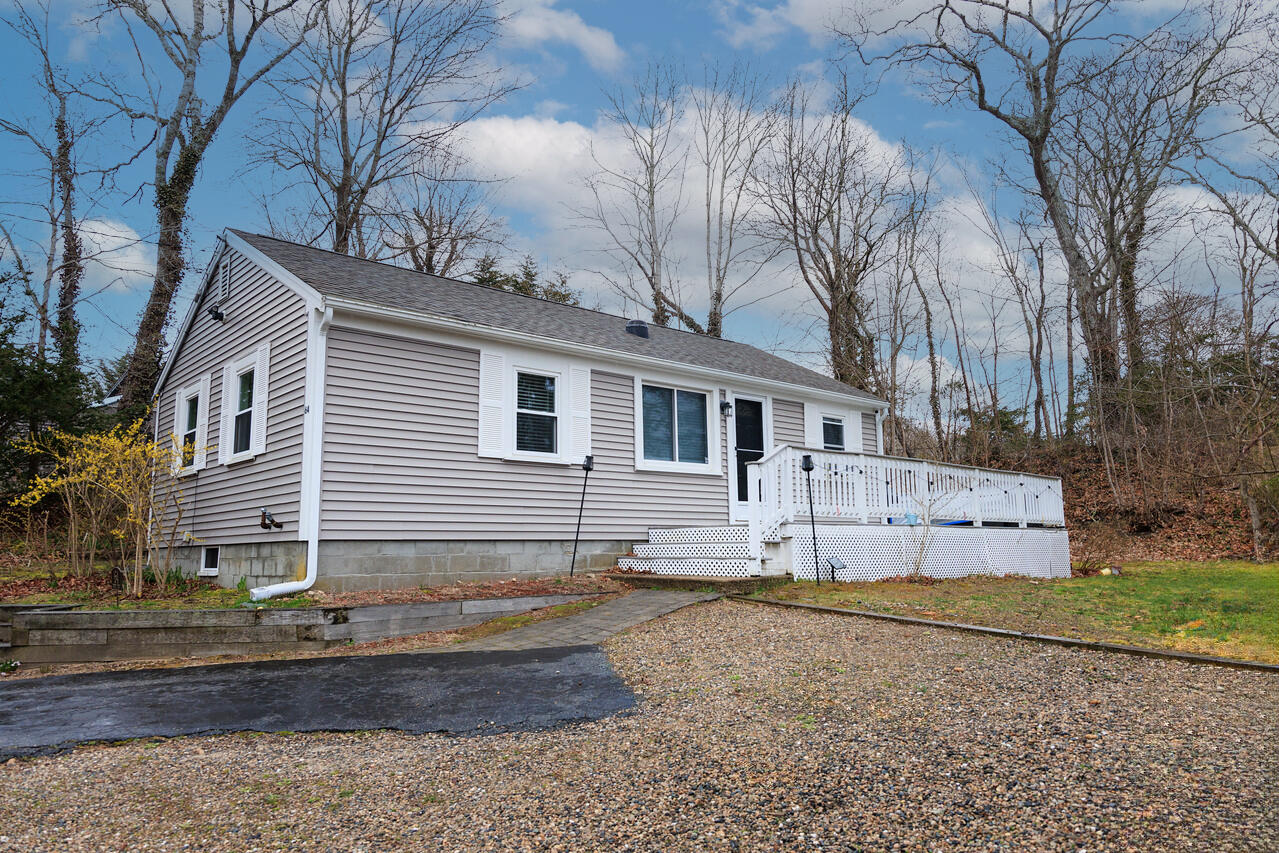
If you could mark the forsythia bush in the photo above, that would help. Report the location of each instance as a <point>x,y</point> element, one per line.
<point>117,487</point>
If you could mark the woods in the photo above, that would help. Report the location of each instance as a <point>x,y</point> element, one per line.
<point>1095,293</point>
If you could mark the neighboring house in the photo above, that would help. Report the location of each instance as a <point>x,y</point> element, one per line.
<point>403,429</point>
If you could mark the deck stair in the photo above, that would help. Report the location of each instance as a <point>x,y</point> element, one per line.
<point>715,552</point>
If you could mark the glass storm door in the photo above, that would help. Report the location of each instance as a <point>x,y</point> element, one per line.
<point>748,428</point>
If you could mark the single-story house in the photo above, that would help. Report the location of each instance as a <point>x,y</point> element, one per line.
<point>352,424</point>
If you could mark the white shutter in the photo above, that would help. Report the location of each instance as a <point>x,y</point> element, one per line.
<point>261,384</point>
<point>175,435</point>
<point>579,414</point>
<point>225,415</point>
<point>492,415</point>
<point>202,425</point>
<point>812,426</point>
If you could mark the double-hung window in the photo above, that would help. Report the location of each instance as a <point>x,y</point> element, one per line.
<point>190,420</point>
<point>674,427</point>
<point>242,427</point>
<point>537,422</point>
<point>832,433</point>
<point>243,413</point>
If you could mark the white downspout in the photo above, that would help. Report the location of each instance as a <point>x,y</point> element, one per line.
<point>317,337</point>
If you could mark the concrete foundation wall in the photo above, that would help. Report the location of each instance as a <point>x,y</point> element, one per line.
<point>385,564</point>
<point>257,563</point>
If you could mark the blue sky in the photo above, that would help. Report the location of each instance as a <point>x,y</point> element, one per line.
<point>566,52</point>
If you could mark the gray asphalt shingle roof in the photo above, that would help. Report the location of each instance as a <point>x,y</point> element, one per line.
<point>378,284</point>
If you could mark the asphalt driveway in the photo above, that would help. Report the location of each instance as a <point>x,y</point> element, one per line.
<point>458,692</point>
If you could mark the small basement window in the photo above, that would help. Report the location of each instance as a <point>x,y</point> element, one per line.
<point>832,433</point>
<point>536,413</point>
<point>209,561</point>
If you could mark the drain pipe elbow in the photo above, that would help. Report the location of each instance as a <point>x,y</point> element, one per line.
<point>313,443</point>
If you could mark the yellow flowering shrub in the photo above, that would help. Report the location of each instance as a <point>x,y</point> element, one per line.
<point>117,488</point>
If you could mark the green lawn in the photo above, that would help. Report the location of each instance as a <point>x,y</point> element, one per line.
<point>1221,608</point>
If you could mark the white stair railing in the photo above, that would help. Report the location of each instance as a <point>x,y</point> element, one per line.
<point>864,487</point>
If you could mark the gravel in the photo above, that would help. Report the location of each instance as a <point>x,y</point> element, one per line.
<point>759,728</point>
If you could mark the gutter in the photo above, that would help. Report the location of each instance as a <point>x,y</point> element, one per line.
<point>317,338</point>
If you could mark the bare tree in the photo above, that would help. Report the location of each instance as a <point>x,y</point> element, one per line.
<point>636,203</point>
<point>835,203</point>
<point>375,92</point>
<point>185,112</point>
<point>440,221</point>
<point>1239,167</point>
<point>1033,68</point>
<point>733,127</point>
<point>57,138</point>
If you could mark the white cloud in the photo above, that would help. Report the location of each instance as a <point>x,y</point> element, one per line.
<point>760,26</point>
<point>533,23</point>
<point>116,257</point>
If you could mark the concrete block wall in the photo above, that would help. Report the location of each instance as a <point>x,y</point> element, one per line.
<point>257,563</point>
<point>350,565</point>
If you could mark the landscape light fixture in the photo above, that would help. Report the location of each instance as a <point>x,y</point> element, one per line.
<point>216,313</point>
<point>807,466</point>
<point>588,465</point>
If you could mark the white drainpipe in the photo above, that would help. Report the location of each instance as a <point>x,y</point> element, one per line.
<point>312,460</point>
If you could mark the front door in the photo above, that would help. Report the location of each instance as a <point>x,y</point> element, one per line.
<point>748,446</point>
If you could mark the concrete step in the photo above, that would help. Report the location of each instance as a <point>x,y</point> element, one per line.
<point>698,567</point>
<point>686,550</point>
<point>666,535</point>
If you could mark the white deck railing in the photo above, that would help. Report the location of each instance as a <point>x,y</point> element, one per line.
<point>865,487</point>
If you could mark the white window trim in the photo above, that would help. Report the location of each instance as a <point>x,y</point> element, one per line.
<point>712,466</point>
<point>259,360</point>
<point>511,413</point>
<point>843,423</point>
<point>209,572</point>
<point>497,405</point>
<point>200,390</point>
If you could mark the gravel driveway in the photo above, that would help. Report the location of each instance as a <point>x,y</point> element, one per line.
<point>759,728</point>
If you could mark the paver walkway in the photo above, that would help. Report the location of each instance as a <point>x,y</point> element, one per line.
<point>590,626</point>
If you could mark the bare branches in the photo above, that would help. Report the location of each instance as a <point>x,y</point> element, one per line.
<point>635,203</point>
<point>835,198</point>
<point>186,116</point>
<point>376,93</point>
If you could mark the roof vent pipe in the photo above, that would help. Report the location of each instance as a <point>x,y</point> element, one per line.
<point>638,328</point>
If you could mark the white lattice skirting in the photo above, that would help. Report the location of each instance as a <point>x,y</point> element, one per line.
<point>874,552</point>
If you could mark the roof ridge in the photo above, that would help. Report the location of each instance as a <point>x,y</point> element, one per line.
<point>498,289</point>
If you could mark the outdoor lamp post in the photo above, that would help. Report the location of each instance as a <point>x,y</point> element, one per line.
<point>806,465</point>
<point>588,465</point>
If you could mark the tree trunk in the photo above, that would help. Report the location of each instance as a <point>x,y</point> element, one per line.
<point>66,333</point>
<point>140,377</point>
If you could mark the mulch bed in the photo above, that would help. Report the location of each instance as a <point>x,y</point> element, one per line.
<point>512,588</point>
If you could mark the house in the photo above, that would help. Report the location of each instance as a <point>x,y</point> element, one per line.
<point>354,425</point>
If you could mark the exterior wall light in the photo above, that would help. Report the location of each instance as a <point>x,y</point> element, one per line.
<point>216,313</point>
<point>725,408</point>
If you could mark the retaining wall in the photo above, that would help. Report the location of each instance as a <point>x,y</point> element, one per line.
<point>105,635</point>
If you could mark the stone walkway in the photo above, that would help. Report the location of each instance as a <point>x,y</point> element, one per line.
<point>590,626</point>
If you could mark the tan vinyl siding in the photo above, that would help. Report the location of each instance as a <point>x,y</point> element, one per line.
<point>222,503</point>
<point>788,423</point>
<point>870,433</point>
<point>400,462</point>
